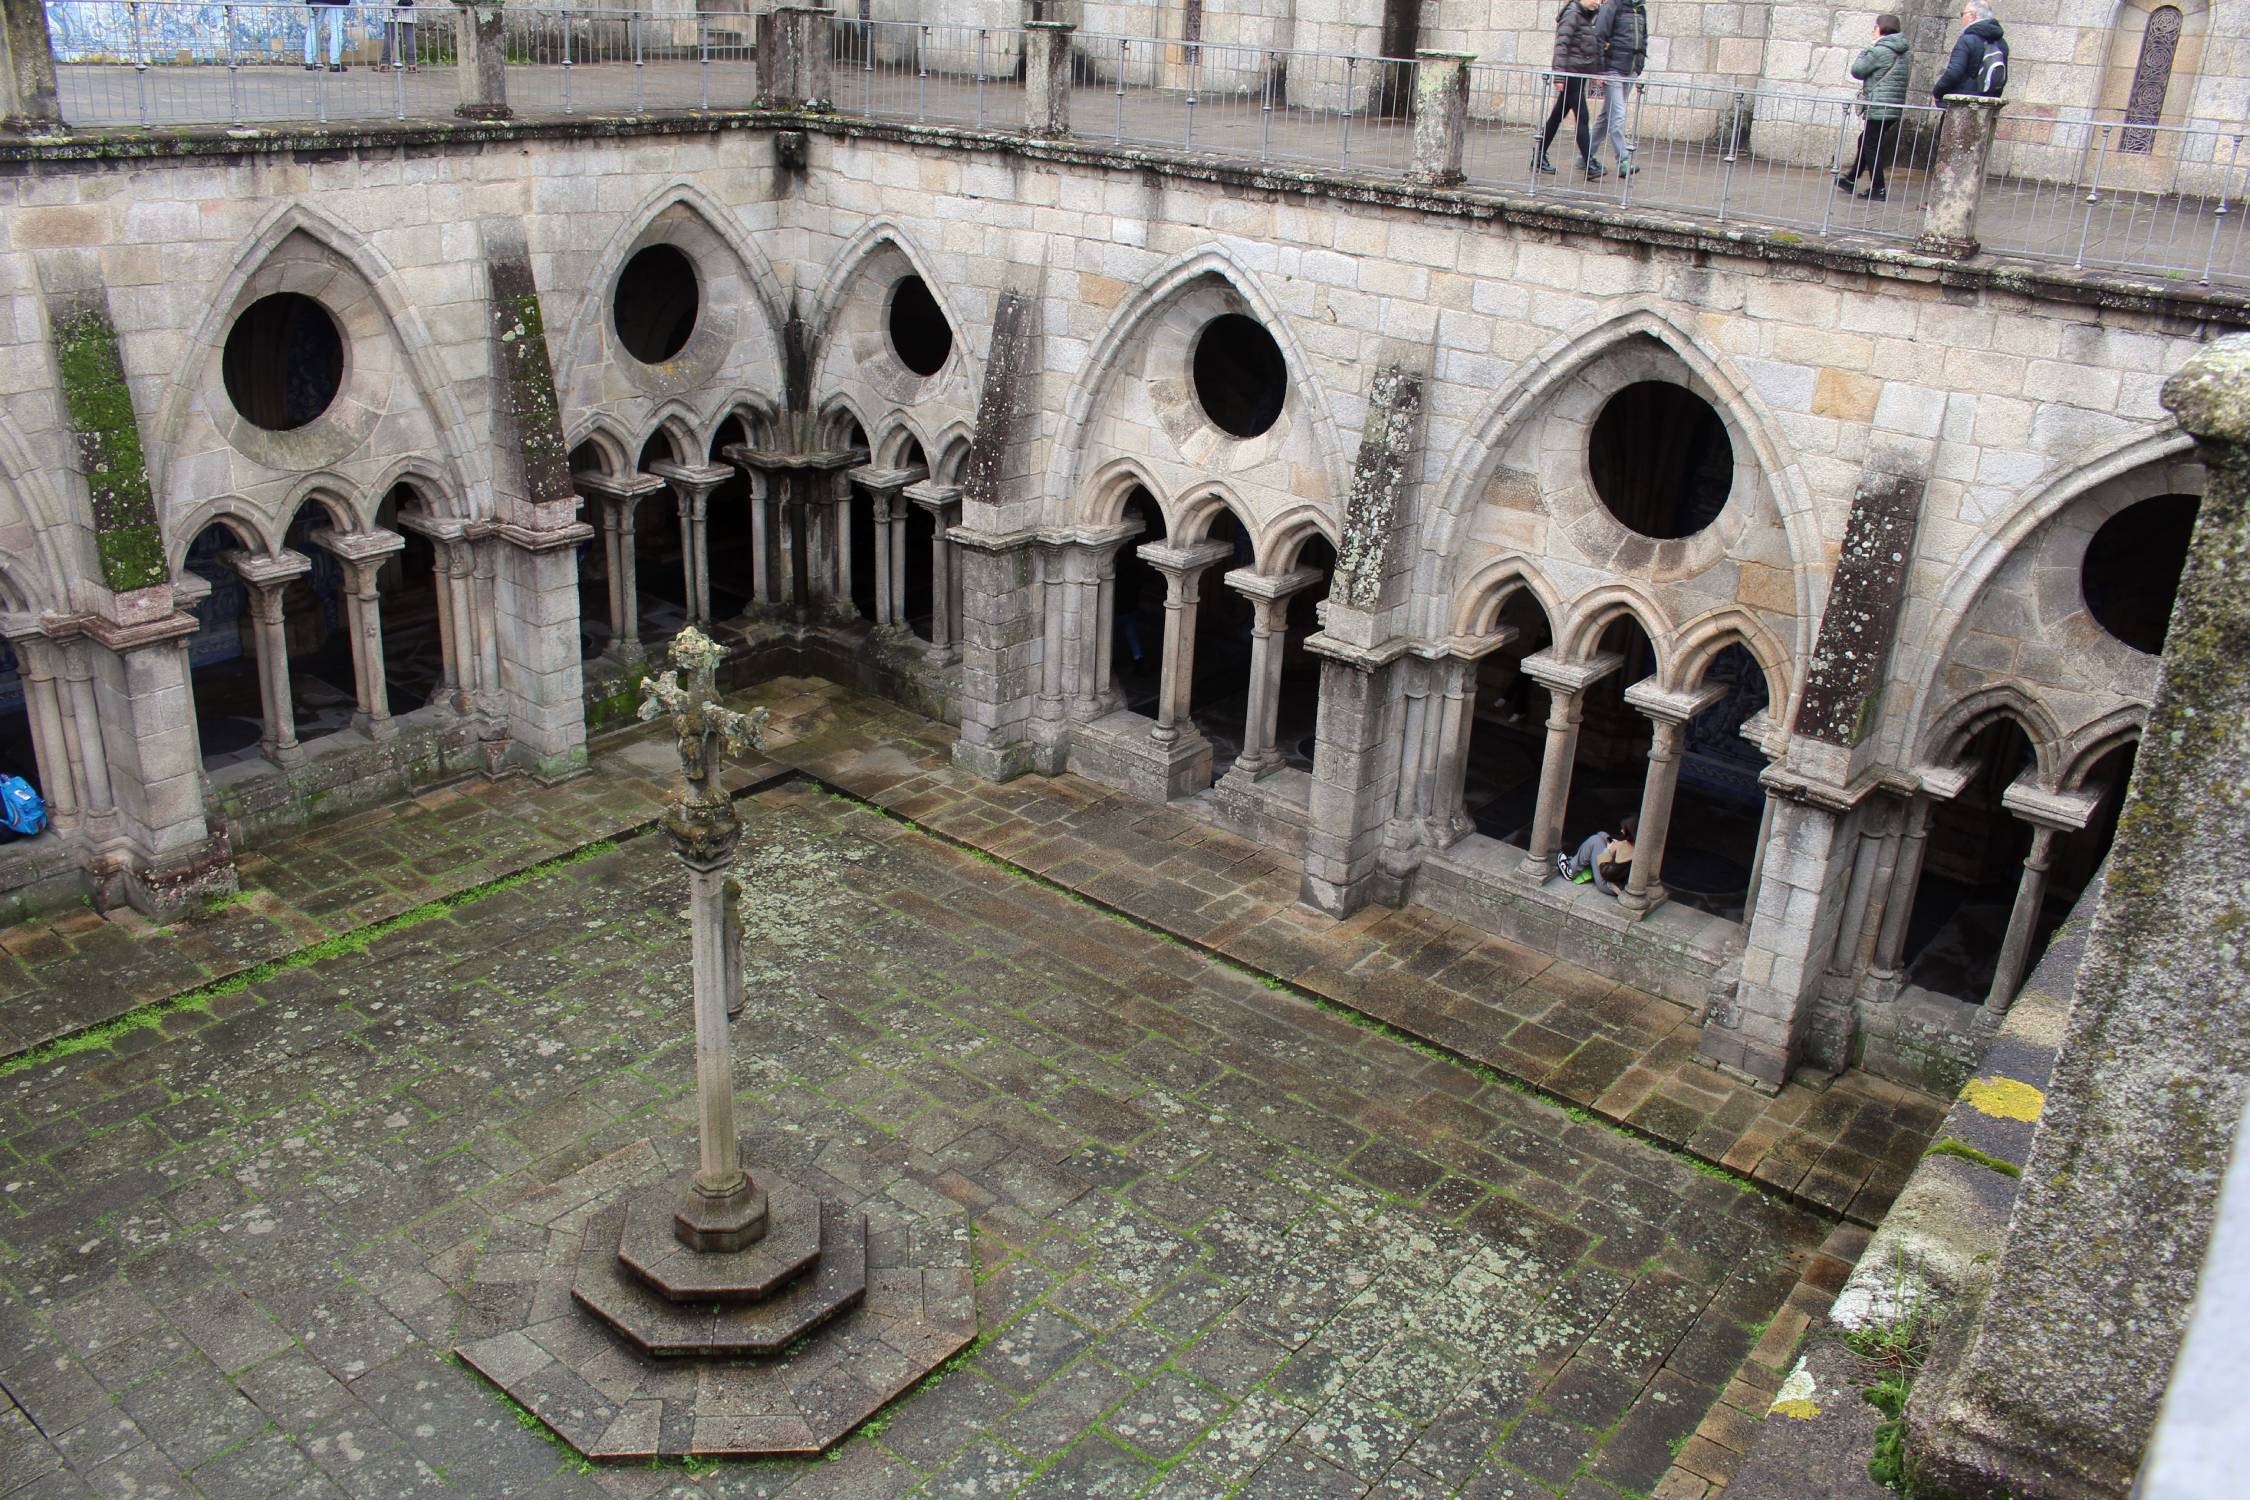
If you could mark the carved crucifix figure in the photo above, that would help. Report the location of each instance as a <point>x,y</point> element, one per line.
<point>724,1209</point>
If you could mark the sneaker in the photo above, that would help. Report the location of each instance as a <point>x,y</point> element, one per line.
<point>1541,163</point>
<point>1627,167</point>
<point>1594,170</point>
<point>1562,865</point>
<point>338,68</point>
<point>1873,195</point>
<point>312,67</point>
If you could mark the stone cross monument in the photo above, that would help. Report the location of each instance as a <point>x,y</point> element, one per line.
<point>724,1208</point>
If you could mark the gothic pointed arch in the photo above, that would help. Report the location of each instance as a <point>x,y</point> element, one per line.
<point>45,558</point>
<point>390,377</point>
<point>723,332</point>
<point>1968,715</point>
<point>1700,641</point>
<point>1486,592</point>
<point>1142,376</point>
<point>890,331</point>
<point>1530,485</point>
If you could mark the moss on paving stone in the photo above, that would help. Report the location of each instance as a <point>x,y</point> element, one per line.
<point>1179,1272</point>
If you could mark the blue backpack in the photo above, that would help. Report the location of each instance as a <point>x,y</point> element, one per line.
<point>21,810</point>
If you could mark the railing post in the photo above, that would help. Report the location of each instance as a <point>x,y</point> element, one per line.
<point>1351,97</point>
<point>1734,149</point>
<point>635,28</point>
<point>1124,56</point>
<point>28,105</point>
<point>140,63</point>
<point>481,58</point>
<point>703,55</point>
<point>234,70</point>
<point>1046,77</point>
<point>1265,108</point>
<point>1441,115</point>
<point>982,33</point>
<point>1949,222</point>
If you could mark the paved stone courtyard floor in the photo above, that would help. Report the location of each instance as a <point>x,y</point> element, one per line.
<point>1229,1237</point>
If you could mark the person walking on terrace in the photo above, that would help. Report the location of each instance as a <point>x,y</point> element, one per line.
<point>329,13</point>
<point>398,39</point>
<point>1979,64</point>
<point>1575,59</point>
<point>1881,71</point>
<point>1621,44</point>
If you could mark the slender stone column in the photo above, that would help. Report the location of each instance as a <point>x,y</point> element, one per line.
<point>448,539</point>
<point>943,502</point>
<point>49,748</point>
<point>2049,813</point>
<point>27,71</point>
<point>1182,568</point>
<point>84,724</point>
<point>1949,221</point>
<point>1269,597</point>
<point>1566,683</point>
<point>1448,817</point>
<point>363,554</point>
<point>1441,115</point>
<point>693,484</point>
<point>267,577</point>
<point>888,512</point>
<point>620,497</point>
<point>1898,899</point>
<point>1668,715</point>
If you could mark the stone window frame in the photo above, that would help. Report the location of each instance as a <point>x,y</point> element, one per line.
<point>373,362</point>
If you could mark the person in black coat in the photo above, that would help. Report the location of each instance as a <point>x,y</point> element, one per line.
<point>1575,60</point>
<point>1979,64</point>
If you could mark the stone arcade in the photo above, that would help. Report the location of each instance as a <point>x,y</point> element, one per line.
<point>1409,528</point>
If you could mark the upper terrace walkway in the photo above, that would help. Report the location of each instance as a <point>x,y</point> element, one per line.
<point>2091,192</point>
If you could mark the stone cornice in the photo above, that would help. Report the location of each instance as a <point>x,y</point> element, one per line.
<point>103,150</point>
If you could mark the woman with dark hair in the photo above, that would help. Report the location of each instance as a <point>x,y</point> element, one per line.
<point>1576,56</point>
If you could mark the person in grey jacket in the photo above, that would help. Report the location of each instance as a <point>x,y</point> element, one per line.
<point>1575,61</point>
<point>1621,44</point>
<point>1881,71</point>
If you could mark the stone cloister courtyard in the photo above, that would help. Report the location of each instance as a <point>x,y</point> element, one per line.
<point>1228,1230</point>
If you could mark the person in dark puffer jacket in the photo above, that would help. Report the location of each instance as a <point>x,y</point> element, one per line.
<point>1575,59</point>
<point>1881,71</point>
<point>1621,44</point>
<point>1979,64</point>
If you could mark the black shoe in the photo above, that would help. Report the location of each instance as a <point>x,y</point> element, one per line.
<point>1594,170</point>
<point>1846,184</point>
<point>312,67</point>
<point>1539,162</point>
<point>1874,195</point>
<point>338,68</point>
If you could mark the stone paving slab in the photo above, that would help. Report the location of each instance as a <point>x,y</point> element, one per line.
<point>81,969</point>
<point>1224,1241</point>
<point>1619,1052</point>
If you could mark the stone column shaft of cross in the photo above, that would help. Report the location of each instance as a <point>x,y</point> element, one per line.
<point>719,1170</point>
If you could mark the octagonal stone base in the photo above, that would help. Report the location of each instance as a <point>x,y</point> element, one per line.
<point>610,1400</point>
<point>791,1240</point>
<point>659,1323</point>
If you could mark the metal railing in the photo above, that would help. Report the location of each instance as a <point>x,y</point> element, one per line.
<point>2108,193</point>
<point>176,62</point>
<point>2082,190</point>
<point>575,60</point>
<point>1733,155</point>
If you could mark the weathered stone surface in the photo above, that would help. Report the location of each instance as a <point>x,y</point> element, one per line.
<point>648,1247</point>
<point>2061,1383</point>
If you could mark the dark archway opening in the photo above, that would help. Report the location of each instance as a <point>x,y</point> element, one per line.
<point>1971,866</point>
<point>1508,735</point>
<point>283,361</point>
<point>1137,611</point>
<point>658,298</point>
<point>1219,689</point>
<point>1661,460</point>
<point>413,641</point>
<point>323,681</point>
<point>2132,570</point>
<point>1613,739</point>
<point>230,712</point>
<point>1296,713</point>
<point>660,551</point>
<point>593,561</point>
<point>729,534</point>
<point>1713,841</point>
<point>2079,855</point>
<point>920,336</point>
<point>17,755</point>
<point>1240,377</point>
<point>918,587</point>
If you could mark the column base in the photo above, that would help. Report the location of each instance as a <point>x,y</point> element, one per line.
<point>1948,246</point>
<point>708,1223</point>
